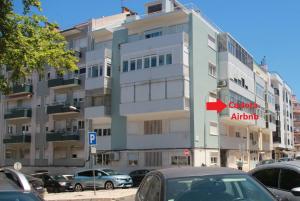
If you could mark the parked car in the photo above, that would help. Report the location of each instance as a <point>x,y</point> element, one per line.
<point>15,187</point>
<point>205,184</point>
<point>137,176</point>
<point>54,185</point>
<point>106,178</point>
<point>283,179</point>
<point>263,162</point>
<point>285,159</point>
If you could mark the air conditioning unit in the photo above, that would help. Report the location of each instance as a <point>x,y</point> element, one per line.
<point>114,156</point>
<point>222,83</point>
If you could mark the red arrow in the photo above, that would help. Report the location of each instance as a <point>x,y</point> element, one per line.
<point>219,106</point>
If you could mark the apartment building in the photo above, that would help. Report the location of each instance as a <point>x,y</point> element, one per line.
<point>296,128</point>
<point>241,80</point>
<point>283,138</point>
<point>142,85</point>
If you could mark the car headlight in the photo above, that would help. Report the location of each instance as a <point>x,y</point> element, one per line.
<point>62,183</point>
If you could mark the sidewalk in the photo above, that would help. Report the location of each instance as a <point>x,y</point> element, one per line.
<point>101,195</point>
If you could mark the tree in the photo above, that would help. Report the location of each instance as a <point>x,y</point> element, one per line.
<point>28,43</point>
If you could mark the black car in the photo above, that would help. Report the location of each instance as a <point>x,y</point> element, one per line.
<point>137,176</point>
<point>201,184</point>
<point>54,185</point>
<point>15,187</point>
<point>283,179</point>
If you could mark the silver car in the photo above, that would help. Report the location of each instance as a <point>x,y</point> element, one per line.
<point>106,178</point>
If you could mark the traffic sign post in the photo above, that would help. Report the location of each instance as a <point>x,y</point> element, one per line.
<point>18,166</point>
<point>93,141</point>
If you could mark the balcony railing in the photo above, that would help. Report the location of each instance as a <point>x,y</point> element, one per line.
<point>58,108</point>
<point>21,89</point>
<point>20,138</point>
<point>57,136</point>
<point>18,113</point>
<point>61,82</point>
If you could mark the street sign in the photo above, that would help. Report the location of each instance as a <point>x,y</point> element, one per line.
<point>92,138</point>
<point>93,150</point>
<point>18,166</point>
<point>186,152</point>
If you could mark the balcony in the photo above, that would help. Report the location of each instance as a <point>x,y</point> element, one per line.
<point>98,54</point>
<point>61,136</point>
<point>17,139</point>
<point>18,113</point>
<point>158,141</point>
<point>228,142</point>
<point>20,90</point>
<point>93,112</point>
<point>63,83</point>
<point>63,108</point>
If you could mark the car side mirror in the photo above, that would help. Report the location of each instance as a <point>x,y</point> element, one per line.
<point>296,191</point>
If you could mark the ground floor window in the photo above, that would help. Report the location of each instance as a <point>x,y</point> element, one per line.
<point>133,159</point>
<point>214,158</point>
<point>103,159</point>
<point>153,159</point>
<point>180,160</point>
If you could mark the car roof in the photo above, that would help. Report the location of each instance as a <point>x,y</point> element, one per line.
<point>11,180</point>
<point>170,173</point>
<point>293,164</point>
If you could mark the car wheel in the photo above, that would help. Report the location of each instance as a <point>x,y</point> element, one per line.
<point>109,185</point>
<point>78,188</point>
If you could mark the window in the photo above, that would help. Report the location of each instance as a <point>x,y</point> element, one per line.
<point>289,179</point>
<point>48,75</point>
<point>139,64</point>
<point>153,61</point>
<point>260,91</point>
<point>133,159</point>
<point>212,70</point>
<point>211,38</point>
<point>98,131</point>
<point>103,159</point>
<point>212,97</point>
<point>169,59</point>
<point>154,190</point>
<point>269,177</point>
<point>180,160</point>
<point>154,8</point>
<point>101,70</point>
<point>81,124</point>
<point>86,173</point>
<point>153,34</point>
<point>146,62</point>
<point>25,128</point>
<point>82,70</point>
<point>237,134</point>
<point>125,66</point>
<point>93,71</point>
<point>10,129</point>
<point>103,131</point>
<point>213,128</point>
<point>153,159</point>
<point>214,157</point>
<point>153,127</point>
<point>132,64</point>
<point>106,131</point>
<point>144,189</point>
<point>161,60</point>
<point>108,70</point>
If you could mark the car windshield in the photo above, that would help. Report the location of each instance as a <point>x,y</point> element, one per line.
<point>18,196</point>
<point>111,172</point>
<point>59,177</point>
<point>216,188</point>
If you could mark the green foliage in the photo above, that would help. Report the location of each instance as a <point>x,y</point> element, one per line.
<point>29,42</point>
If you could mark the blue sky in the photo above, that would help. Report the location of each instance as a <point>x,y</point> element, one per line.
<point>265,27</point>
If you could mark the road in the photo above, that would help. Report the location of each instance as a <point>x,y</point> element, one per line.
<point>101,195</point>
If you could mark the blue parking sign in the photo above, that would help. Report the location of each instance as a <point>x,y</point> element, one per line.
<point>92,138</point>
